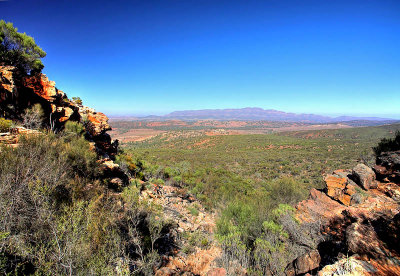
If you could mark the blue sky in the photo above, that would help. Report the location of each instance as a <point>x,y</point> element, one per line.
<point>152,57</point>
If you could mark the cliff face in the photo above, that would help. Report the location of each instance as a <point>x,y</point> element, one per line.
<point>19,92</point>
<point>359,211</point>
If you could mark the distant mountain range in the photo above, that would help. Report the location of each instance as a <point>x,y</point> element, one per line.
<point>255,114</point>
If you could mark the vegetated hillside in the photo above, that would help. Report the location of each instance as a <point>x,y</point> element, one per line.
<point>250,178</point>
<point>213,162</point>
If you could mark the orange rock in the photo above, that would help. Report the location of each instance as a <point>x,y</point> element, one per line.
<point>345,199</point>
<point>99,123</point>
<point>67,114</point>
<point>336,187</point>
<point>41,86</point>
<point>7,85</point>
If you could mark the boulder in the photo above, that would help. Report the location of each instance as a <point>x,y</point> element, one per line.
<point>340,188</point>
<point>348,266</point>
<point>364,176</point>
<point>67,112</point>
<point>319,206</point>
<point>165,271</point>
<point>307,262</point>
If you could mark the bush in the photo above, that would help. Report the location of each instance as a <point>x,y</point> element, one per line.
<point>82,160</point>
<point>5,125</point>
<point>33,117</point>
<point>74,128</point>
<point>57,221</point>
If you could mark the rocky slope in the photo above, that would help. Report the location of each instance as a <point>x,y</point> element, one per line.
<point>360,221</point>
<point>19,92</point>
<point>193,230</point>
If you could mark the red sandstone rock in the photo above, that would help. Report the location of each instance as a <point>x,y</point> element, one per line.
<point>307,262</point>
<point>99,123</point>
<point>318,207</point>
<point>41,86</point>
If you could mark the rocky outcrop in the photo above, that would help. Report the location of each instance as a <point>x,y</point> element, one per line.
<point>19,92</point>
<point>340,188</point>
<point>360,223</point>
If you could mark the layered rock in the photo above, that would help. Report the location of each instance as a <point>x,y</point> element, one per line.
<point>360,223</point>
<point>12,138</point>
<point>18,92</point>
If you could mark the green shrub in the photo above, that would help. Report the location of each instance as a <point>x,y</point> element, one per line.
<point>74,128</point>
<point>81,158</point>
<point>57,217</point>
<point>388,144</point>
<point>5,125</point>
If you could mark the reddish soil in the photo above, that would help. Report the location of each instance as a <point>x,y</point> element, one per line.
<point>135,135</point>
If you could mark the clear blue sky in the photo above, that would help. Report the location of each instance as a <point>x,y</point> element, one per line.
<point>153,57</point>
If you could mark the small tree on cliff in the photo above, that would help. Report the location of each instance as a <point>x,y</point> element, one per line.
<point>19,49</point>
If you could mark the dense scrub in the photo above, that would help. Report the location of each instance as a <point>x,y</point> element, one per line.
<point>253,181</point>
<point>388,144</point>
<point>59,217</point>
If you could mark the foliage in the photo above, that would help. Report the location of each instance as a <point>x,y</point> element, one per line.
<point>388,144</point>
<point>74,128</point>
<point>19,49</point>
<point>5,125</point>
<point>58,218</point>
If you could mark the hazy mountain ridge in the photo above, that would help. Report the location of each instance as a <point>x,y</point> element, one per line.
<point>254,114</point>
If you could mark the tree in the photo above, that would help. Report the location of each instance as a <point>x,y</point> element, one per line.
<point>19,49</point>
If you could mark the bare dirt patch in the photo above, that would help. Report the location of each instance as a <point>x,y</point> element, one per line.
<point>135,135</point>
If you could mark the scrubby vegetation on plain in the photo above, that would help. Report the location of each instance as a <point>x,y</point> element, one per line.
<point>254,181</point>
